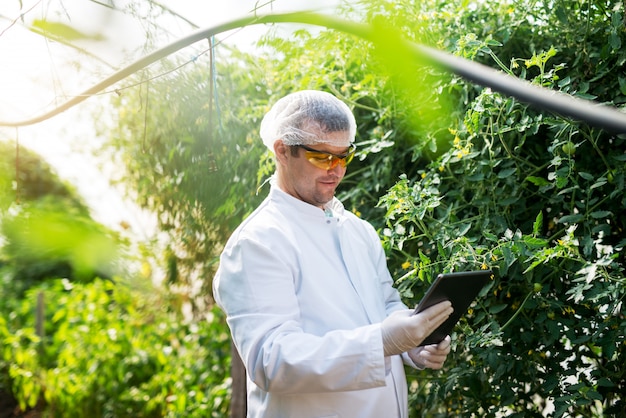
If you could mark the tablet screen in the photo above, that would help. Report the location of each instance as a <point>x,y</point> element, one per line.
<point>460,288</point>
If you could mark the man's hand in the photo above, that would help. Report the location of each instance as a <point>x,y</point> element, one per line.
<point>402,330</point>
<point>431,356</point>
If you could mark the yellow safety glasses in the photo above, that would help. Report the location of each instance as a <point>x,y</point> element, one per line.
<point>326,160</point>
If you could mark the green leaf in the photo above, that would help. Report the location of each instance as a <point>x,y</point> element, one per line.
<point>464,228</point>
<point>575,387</point>
<point>489,236</point>
<point>561,14</point>
<point>537,181</point>
<point>592,394</point>
<point>571,219</point>
<point>476,177</point>
<point>615,41</point>
<point>622,89</point>
<point>601,214</point>
<point>586,96</point>
<point>603,381</point>
<point>509,258</point>
<point>617,20</point>
<point>538,224</point>
<point>551,382</point>
<point>601,182</point>
<point>507,172</point>
<point>494,309</point>
<point>535,242</point>
<point>508,201</point>
<point>57,30</point>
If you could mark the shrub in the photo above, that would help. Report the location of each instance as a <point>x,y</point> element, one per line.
<point>110,350</point>
<point>540,200</point>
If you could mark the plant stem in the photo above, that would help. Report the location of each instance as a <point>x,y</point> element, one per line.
<point>516,312</point>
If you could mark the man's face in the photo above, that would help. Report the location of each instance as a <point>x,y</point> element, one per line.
<point>300,178</point>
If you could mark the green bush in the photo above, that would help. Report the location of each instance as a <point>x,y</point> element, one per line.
<point>110,350</point>
<point>540,200</point>
<point>550,328</point>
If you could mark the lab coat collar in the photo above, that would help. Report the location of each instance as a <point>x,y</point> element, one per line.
<point>303,208</point>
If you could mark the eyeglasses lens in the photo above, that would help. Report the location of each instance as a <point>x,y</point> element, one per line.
<point>327,161</point>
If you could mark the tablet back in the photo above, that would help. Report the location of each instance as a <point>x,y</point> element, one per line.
<point>460,288</point>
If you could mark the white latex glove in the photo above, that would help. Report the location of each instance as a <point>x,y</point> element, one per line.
<point>403,331</point>
<point>431,356</point>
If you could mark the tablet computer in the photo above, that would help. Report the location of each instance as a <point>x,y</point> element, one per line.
<point>460,288</point>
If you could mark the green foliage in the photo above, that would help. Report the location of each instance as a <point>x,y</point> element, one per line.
<point>26,177</point>
<point>94,347</point>
<point>46,228</point>
<point>47,241</point>
<point>111,350</point>
<point>191,159</point>
<point>540,200</point>
<point>482,181</point>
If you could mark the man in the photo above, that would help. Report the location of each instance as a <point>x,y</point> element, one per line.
<point>305,286</point>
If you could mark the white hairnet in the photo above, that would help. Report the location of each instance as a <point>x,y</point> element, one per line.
<point>304,117</point>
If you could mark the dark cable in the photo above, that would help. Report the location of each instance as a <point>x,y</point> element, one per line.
<point>591,112</point>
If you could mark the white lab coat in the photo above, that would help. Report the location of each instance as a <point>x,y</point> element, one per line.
<point>304,295</point>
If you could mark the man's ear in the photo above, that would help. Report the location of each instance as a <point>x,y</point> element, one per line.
<point>281,150</point>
